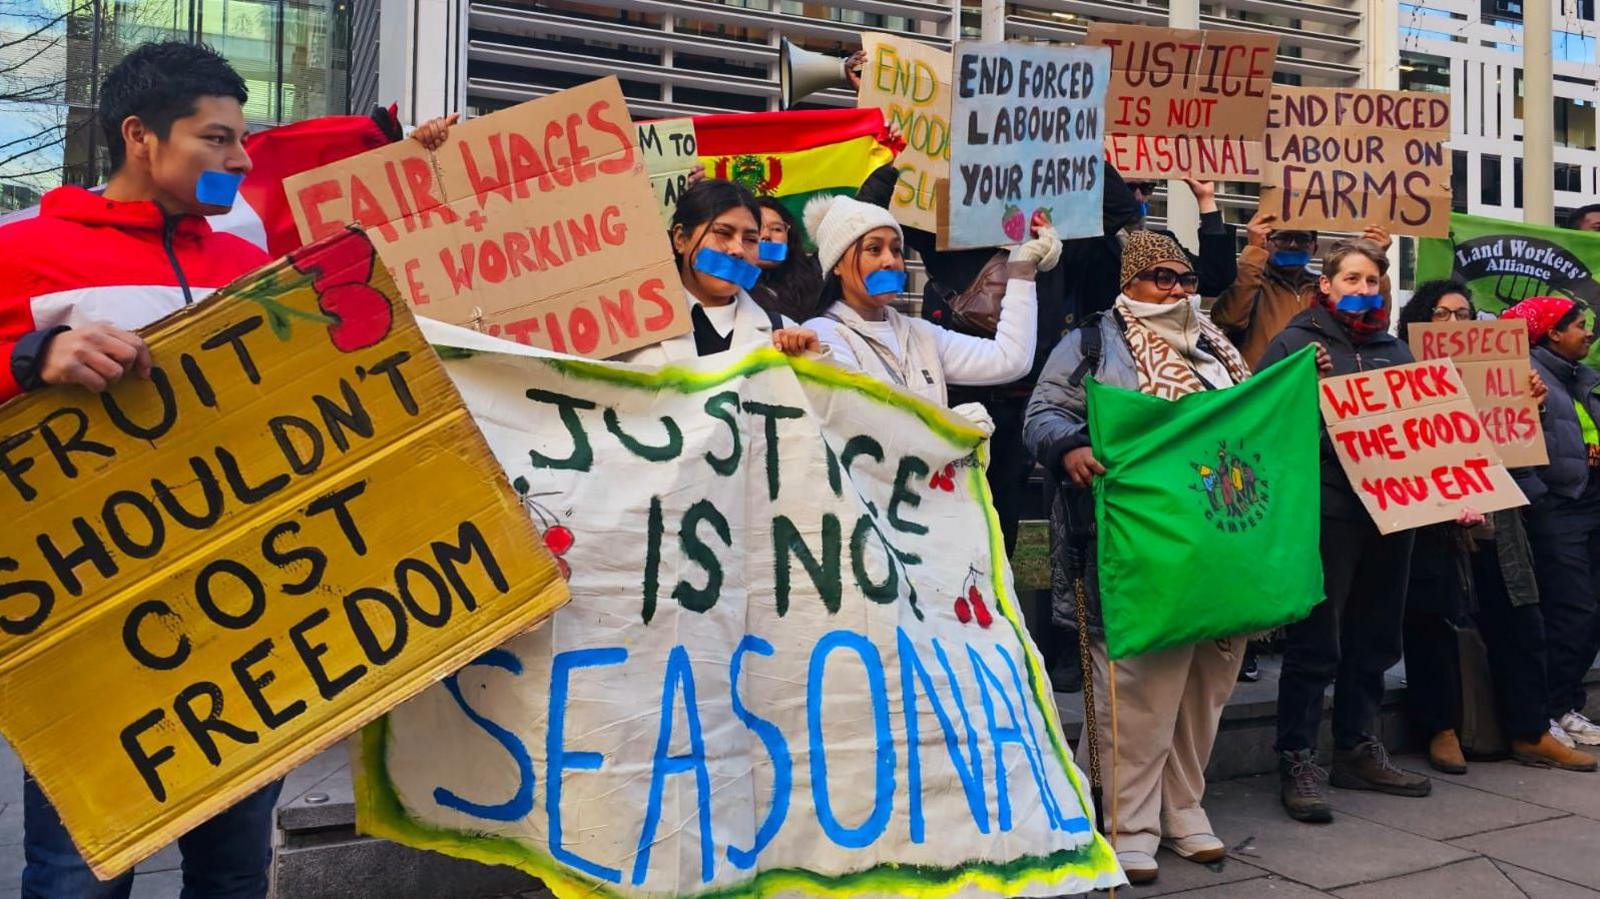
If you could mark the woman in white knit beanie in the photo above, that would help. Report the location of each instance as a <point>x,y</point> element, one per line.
<point>859,247</point>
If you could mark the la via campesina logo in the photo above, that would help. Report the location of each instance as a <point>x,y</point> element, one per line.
<point>1236,493</point>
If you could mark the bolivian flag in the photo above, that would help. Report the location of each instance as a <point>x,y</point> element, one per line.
<point>795,155</point>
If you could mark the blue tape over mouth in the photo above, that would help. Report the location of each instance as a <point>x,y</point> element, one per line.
<point>1291,258</point>
<point>773,251</point>
<point>1360,302</point>
<point>734,269</point>
<point>218,188</point>
<point>885,280</point>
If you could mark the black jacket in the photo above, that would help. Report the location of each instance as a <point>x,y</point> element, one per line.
<point>1317,325</point>
<point>1568,472</point>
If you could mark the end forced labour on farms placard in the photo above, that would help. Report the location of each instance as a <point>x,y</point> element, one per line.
<point>213,574</point>
<point>1412,445</point>
<point>537,223</point>
<point>1186,102</point>
<point>1026,125</point>
<point>1341,159</point>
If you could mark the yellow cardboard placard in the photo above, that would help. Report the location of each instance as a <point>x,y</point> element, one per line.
<point>216,573</point>
<point>536,224</point>
<point>910,82</point>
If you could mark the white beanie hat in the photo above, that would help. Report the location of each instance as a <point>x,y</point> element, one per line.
<point>836,222</point>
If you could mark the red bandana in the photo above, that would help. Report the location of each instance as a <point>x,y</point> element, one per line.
<point>1541,314</point>
<point>1361,326</point>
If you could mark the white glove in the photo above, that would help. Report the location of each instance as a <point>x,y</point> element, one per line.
<point>1044,250</point>
<point>978,414</point>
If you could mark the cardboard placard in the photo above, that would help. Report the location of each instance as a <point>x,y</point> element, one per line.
<point>1341,158</point>
<point>1185,101</point>
<point>668,147</point>
<point>1413,446</point>
<point>536,223</point>
<point>1492,358</point>
<point>214,574</point>
<point>1027,137</point>
<point>910,82</point>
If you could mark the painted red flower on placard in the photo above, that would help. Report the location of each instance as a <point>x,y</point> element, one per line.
<point>358,315</point>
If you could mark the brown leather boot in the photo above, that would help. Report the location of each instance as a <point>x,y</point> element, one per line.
<point>1367,767</point>
<point>1548,752</point>
<point>1444,753</point>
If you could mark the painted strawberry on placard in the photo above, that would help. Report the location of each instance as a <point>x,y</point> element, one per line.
<point>1044,216</point>
<point>944,480</point>
<point>1012,223</point>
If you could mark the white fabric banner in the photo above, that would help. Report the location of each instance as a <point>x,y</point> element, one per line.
<point>792,663</point>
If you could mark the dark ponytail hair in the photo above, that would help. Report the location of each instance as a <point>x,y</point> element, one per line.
<point>703,202</point>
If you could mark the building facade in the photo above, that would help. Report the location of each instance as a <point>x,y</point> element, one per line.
<point>293,54</point>
<point>1472,49</point>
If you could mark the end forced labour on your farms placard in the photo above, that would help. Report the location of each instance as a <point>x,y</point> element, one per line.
<point>1026,123</point>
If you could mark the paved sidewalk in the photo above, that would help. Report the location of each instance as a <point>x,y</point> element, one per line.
<point>1503,830</point>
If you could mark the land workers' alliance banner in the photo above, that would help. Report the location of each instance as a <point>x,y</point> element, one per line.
<point>792,663</point>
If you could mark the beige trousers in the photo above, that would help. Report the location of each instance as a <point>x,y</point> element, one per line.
<point>1169,704</point>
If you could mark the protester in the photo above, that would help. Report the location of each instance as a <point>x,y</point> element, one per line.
<point>1584,218</point>
<point>1155,340</point>
<point>1354,635</point>
<point>174,122</point>
<point>861,249</point>
<point>1564,511</point>
<point>790,282</point>
<point>1216,263</point>
<point>1274,284</point>
<point>716,233</point>
<point>1484,576</point>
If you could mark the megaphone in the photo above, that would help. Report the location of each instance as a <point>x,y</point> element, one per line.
<point>802,72</point>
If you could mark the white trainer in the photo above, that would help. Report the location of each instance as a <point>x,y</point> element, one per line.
<point>1561,735</point>
<point>1199,847</point>
<point>1581,729</point>
<point>1139,866</point>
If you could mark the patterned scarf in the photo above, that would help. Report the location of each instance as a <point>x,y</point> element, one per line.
<point>1163,370</point>
<point>1361,326</point>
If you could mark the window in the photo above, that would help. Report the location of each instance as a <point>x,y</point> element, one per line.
<point>1516,182</point>
<point>1489,180</point>
<point>1458,180</point>
<point>1569,177</point>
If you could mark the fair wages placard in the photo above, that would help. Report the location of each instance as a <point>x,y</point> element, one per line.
<point>1186,102</point>
<point>793,664</point>
<point>1413,446</point>
<point>1340,159</point>
<point>668,146</point>
<point>536,223</point>
<point>1492,359</point>
<point>1026,137</point>
<point>213,574</point>
<point>910,82</point>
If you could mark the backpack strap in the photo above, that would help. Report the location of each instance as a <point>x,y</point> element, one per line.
<point>775,319</point>
<point>1091,344</point>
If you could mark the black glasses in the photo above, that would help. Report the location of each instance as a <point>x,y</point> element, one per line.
<point>1442,314</point>
<point>1145,187</point>
<point>1293,241</point>
<point>1166,279</point>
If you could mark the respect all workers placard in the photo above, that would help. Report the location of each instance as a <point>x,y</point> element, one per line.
<point>793,663</point>
<point>1492,359</point>
<point>1026,137</point>
<point>216,573</point>
<point>537,223</point>
<point>1413,446</point>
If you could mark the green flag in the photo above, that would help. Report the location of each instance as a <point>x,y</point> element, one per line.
<point>1503,262</point>
<point>1209,511</point>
